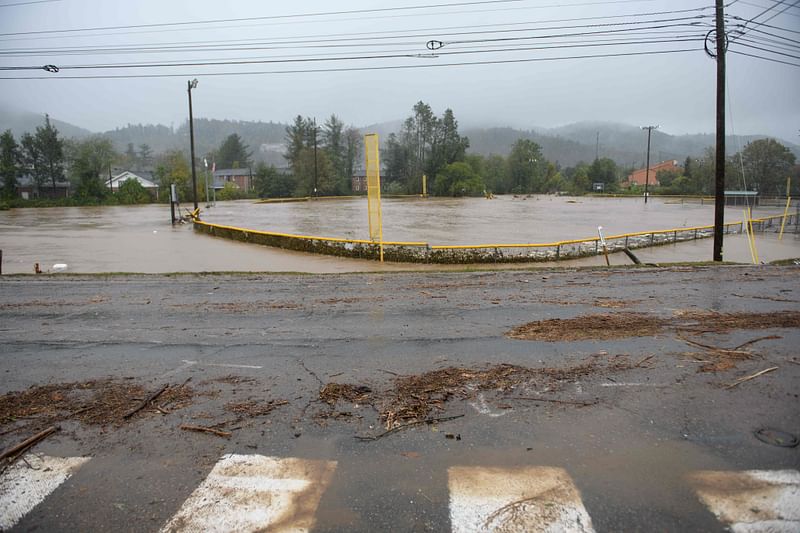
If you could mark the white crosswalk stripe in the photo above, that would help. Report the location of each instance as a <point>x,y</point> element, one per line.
<point>28,482</point>
<point>255,493</point>
<point>753,500</point>
<point>529,499</point>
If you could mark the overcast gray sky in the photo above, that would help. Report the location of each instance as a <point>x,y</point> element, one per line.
<point>673,89</point>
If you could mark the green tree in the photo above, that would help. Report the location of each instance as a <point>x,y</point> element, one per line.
<point>90,161</point>
<point>230,192</point>
<point>132,192</point>
<point>10,164</point>
<point>458,179</point>
<point>145,156</point>
<point>398,166</point>
<point>667,177</point>
<point>130,159</point>
<point>269,183</point>
<point>447,145</point>
<point>354,150</point>
<point>605,171</point>
<point>297,139</point>
<point>525,167</point>
<point>768,163</point>
<point>495,174</point>
<point>174,168</point>
<point>233,153</point>
<point>51,149</point>
<point>33,161</point>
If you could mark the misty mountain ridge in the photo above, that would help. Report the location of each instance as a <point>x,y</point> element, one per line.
<point>568,145</point>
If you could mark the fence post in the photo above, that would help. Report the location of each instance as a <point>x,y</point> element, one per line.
<point>558,252</point>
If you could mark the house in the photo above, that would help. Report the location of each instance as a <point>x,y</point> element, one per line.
<point>145,179</point>
<point>241,177</point>
<point>359,181</point>
<point>639,177</point>
<point>27,190</point>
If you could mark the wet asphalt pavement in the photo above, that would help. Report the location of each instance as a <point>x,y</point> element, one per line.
<point>282,337</point>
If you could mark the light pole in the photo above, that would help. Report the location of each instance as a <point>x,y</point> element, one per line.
<point>647,171</point>
<point>192,85</point>
<point>205,162</point>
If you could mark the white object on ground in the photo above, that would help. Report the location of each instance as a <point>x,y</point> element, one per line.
<point>23,487</point>
<point>255,493</point>
<point>59,266</point>
<point>753,500</point>
<point>527,499</point>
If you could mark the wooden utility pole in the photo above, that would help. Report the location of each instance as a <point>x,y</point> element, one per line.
<point>719,182</point>
<point>647,168</point>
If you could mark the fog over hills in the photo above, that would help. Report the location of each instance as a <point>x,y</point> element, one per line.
<point>567,145</point>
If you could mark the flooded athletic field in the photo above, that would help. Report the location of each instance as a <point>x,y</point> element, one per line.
<point>141,238</point>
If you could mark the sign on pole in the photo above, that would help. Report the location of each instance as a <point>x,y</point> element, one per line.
<point>373,164</point>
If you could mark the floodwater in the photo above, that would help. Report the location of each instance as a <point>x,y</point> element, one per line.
<point>141,238</point>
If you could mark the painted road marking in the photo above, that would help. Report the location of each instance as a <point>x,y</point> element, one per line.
<point>255,493</point>
<point>752,500</point>
<point>222,365</point>
<point>529,499</point>
<point>27,482</point>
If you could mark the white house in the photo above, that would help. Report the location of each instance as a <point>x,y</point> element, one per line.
<point>145,179</point>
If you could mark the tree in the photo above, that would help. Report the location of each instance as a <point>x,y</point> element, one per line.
<point>90,161</point>
<point>33,161</point>
<point>233,153</point>
<point>10,164</point>
<point>667,177</point>
<point>129,158</point>
<point>354,146</point>
<point>768,163</point>
<point>145,156</point>
<point>604,170</point>
<point>297,139</point>
<point>174,168</point>
<point>51,150</point>
<point>269,183</point>
<point>525,167</point>
<point>495,174</point>
<point>447,145</point>
<point>132,192</point>
<point>458,179</point>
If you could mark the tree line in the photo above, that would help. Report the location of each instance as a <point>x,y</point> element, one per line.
<point>321,160</point>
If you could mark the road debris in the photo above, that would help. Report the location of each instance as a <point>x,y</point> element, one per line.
<point>625,325</point>
<point>752,376</point>
<point>254,408</point>
<point>776,437</point>
<point>204,429</point>
<point>10,456</point>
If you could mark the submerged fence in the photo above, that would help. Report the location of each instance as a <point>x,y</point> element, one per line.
<point>421,252</point>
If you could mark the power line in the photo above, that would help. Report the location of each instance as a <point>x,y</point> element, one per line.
<point>374,33</point>
<point>17,4</point>
<point>764,58</point>
<point>349,42</point>
<point>769,51</point>
<point>270,46</point>
<point>695,38</point>
<point>360,69</point>
<point>777,3</point>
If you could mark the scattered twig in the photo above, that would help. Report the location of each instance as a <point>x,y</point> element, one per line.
<point>748,343</point>
<point>726,351</point>
<point>640,363</point>
<point>79,411</point>
<point>145,402</point>
<point>202,429</point>
<point>570,402</point>
<point>12,454</point>
<point>793,361</point>
<point>748,378</point>
<point>388,372</point>
<point>405,426</point>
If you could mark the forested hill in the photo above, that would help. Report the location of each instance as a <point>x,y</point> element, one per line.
<point>264,139</point>
<point>623,143</point>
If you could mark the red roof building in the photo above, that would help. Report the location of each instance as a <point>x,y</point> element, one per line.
<point>639,176</point>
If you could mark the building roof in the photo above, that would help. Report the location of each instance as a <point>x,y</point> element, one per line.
<point>26,180</point>
<point>145,179</point>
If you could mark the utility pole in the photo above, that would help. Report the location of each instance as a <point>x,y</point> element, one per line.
<point>719,182</point>
<point>647,169</point>
<point>597,147</point>
<point>315,156</point>
<point>192,85</point>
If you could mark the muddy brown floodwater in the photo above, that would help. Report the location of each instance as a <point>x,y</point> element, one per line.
<point>141,239</point>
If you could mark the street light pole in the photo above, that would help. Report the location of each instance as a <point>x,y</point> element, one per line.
<point>647,170</point>
<point>192,84</point>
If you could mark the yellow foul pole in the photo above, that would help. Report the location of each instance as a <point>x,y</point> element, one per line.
<point>373,165</point>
